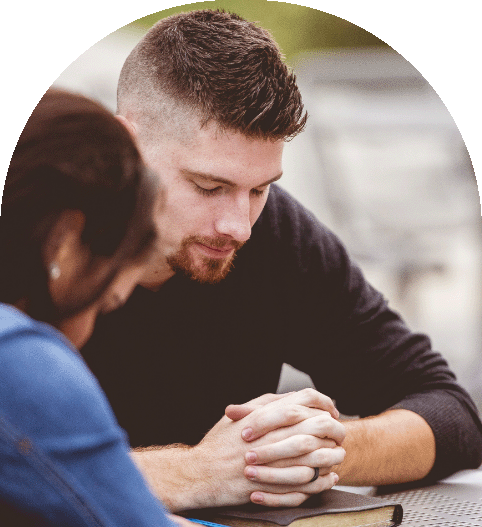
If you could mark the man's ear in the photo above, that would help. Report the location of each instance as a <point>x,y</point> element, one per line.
<point>128,125</point>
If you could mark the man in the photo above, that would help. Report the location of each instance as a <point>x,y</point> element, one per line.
<point>249,280</point>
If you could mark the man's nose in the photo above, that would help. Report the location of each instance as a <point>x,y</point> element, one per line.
<point>234,220</point>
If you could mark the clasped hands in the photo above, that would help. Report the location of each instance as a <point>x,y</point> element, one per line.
<point>269,448</point>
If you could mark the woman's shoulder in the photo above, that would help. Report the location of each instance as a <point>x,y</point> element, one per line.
<point>12,320</point>
<point>15,324</point>
<point>45,386</point>
<point>24,339</point>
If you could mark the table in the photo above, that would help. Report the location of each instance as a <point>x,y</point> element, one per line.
<point>453,502</point>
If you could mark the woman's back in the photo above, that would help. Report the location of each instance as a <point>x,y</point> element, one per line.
<point>76,231</point>
<point>62,455</point>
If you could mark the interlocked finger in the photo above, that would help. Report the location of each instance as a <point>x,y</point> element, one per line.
<point>322,457</point>
<point>292,447</point>
<point>313,399</point>
<point>287,411</point>
<point>320,425</point>
<point>271,417</point>
<point>280,476</point>
<point>288,448</point>
<point>292,496</point>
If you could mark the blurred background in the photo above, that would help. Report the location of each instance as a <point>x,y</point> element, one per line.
<point>381,162</point>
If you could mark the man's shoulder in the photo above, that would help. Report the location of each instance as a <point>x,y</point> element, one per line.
<point>288,226</point>
<point>283,214</point>
<point>282,205</point>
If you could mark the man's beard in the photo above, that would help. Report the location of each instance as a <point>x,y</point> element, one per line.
<point>211,270</point>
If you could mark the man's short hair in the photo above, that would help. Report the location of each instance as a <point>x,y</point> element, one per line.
<point>216,66</point>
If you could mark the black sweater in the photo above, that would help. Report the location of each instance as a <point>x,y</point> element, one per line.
<point>171,361</point>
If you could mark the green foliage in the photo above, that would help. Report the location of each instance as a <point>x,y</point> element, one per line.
<point>295,28</point>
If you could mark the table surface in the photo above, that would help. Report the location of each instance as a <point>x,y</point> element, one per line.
<point>453,502</point>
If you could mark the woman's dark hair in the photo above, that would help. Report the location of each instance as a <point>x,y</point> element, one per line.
<point>72,155</point>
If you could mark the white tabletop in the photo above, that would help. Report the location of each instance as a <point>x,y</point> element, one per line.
<point>453,502</point>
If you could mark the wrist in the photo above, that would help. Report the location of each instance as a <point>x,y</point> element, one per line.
<point>356,435</point>
<point>174,475</point>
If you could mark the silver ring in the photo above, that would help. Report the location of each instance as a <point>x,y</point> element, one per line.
<point>315,477</point>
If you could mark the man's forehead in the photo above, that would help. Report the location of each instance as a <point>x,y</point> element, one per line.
<point>192,132</point>
<point>209,151</point>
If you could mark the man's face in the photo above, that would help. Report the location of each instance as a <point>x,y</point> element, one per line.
<point>216,186</point>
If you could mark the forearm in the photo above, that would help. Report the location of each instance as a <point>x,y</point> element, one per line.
<point>174,475</point>
<point>393,447</point>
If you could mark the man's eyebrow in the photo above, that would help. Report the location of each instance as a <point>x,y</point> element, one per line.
<point>215,179</point>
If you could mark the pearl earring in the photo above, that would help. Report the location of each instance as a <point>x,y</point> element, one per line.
<point>54,271</point>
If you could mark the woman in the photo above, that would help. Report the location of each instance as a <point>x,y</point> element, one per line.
<point>76,230</point>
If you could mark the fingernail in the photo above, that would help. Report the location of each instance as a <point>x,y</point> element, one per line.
<point>336,478</point>
<point>257,497</point>
<point>251,472</point>
<point>251,457</point>
<point>247,433</point>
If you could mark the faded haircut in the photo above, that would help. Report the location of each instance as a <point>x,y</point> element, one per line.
<point>217,67</point>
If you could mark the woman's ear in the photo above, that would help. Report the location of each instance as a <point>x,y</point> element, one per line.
<point>63,249</point>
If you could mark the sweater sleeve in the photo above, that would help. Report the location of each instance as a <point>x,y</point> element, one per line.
<point>368,360</point>
<point>396,368</point>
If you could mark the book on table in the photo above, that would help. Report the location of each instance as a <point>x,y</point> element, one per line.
<point>331,508</point>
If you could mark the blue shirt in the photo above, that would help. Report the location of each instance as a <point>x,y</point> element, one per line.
<point>63,457</point>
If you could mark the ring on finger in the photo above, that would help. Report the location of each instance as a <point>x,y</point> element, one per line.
<point>315,475</point>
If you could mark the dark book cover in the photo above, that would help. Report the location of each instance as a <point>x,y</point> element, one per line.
<point>330,502</point>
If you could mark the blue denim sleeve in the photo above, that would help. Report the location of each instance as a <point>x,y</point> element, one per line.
<point>63,457</point>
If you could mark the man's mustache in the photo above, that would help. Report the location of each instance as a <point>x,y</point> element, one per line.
<point>214,242</point>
